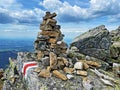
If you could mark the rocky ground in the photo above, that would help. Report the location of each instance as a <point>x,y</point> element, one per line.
<point>91,62</point>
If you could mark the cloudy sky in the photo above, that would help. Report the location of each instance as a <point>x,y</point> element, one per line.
<point>21,18</point>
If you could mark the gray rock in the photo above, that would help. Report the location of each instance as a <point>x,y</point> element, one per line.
<point>96,42</point>
<point>46,61</point>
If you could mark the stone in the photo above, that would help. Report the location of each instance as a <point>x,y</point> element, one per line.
<point>44,73</point>
<point>46,16</point>
<point>52,40</point>
<point>12,80</point>
<point>49,68</point>
<point>65,61</point>
<point>45,61</point>
<point>45,27</point>
<point>116,68</point>
<point>96,43</point>
<point>92,63</point>
<point>37,69</point>
<point>69,76</point>
<point>60,64</point>
<point>1,73</point>
<point>52,15</point>
<point>115,50</point>
<point>78,65</point>
<point>59,75</point>
<point>68,70</point>
<point>41,46</point>
<point>50,33</point>
<point>42,38</point>
<point>74,49</point>
<point>53,60</point>
<point>87,84</point>
<point>51,22</point>
<point>85,65</point>
<point>82,73</point>
<point>39,55</point>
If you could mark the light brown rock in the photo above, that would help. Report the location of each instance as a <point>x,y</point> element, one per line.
<point>37,69</point>
<point>59,75</point>
<point>49,68</point>
<point>92,63</point>
<point>85,66</point>
<point>82,73</point>
<point>51,22</point>
<point>53,60</point>
<point>39,55</point>
<point>50,33</point>
<point>65,61</point>
<point>52,40</point>
<point>68,70</point>
<point>44,73</point>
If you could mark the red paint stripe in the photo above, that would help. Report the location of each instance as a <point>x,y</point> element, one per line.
<point>28,65</point>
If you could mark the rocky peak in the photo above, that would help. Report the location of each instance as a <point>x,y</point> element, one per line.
<point>55,67</point>
<point>96,42</point>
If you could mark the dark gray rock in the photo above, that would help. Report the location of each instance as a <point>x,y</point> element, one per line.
<point>46,61</point>
<point>96,42</point>
<point>115,47</point>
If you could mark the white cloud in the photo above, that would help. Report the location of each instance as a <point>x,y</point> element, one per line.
<point>10,4</point>
<point>97,8</point>
<point>51,4</point>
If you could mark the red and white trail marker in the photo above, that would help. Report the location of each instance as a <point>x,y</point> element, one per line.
<point>27,66</point>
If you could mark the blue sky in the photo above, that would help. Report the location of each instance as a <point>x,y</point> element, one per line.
<point>21,18</point>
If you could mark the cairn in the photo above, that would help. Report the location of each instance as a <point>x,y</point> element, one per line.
<point>50,39</point>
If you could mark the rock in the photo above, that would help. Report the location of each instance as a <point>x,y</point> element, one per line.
<point>68,70</point>
<point>52,40</point>
<point>87,58</point>
<point>60,64</point>
<point>92,63</point>
<point>59,75</point>
<point>85,65</point>
<point>95,42</point>
<point>74,49</point>
<point>45,61</point>
<point>1,73</point>
<point>78,65</point>
<point>87,84</point>
<point>49,68</point>
<point>82,73</point>
<point>69,76</point>
<point>50,33</point>
<point>115,50</point>
<point>44,73</point>
<point>45,27</point>
<point>39,55</point>
<point>116,68</point>
<point>53,60</point>
<point>51,22</point>
<point>115,34</point>
<point>65,61</point>
<point>37,69</point>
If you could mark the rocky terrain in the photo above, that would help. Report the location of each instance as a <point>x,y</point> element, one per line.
<point>91,62</point>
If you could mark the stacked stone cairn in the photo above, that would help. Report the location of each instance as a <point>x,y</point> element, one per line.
<point>51,52</point>
<point>50,39</point>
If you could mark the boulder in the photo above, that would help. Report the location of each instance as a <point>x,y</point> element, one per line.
<point>96,42</point>
<point>115,47</point>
